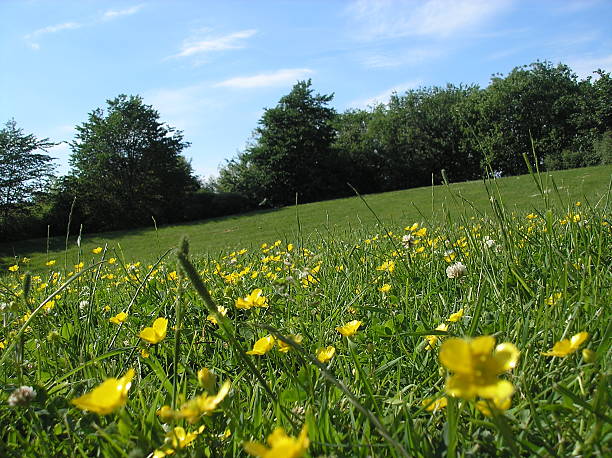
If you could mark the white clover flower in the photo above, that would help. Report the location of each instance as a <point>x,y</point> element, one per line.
<point>488,241</point>
<point>456,270</point>
<point>407,240</point>
<point>22,396</point>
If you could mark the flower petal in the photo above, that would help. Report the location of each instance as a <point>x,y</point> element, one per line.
<point>455,355</point>
<point>460,386</point>
<point>505,357</point>
<point>482,345</point>
<point>579,339</point>
<point>501,389</point>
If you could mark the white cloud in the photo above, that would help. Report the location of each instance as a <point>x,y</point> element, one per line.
<point>231,41</point>
<point>108,15</point>
<point>432,18</point>
<point>384,96</point>
<point>277,78</point>
<point>53,29</point>
<point>112,14</point>
<point>585,66</point>
<point>406,57</point>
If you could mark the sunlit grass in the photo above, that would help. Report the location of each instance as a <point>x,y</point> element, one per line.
<point>345,331</point>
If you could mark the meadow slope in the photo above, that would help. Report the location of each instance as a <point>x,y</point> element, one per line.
<point>433,204</point>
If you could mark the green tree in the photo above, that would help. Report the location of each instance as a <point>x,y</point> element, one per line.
<point>127,166</point>
<point>25,171</point>
<point>291,152</point>
<point>536,101</point>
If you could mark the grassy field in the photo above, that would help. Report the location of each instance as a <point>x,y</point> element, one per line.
<point>338,217</point>
<point>475,323</point>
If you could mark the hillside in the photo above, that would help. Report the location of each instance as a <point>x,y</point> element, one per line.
<point>432,204</point>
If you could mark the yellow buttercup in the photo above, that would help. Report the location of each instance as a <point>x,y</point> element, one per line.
<point>156,333</point>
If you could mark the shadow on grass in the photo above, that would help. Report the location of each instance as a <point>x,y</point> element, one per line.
<point>9,251</point>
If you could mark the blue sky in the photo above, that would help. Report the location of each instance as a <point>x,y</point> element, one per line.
<point>211,67</point>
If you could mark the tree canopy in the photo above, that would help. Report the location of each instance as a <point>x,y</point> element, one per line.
<point>25,170</point>
<point>291,152</point>
<point>127,164</point>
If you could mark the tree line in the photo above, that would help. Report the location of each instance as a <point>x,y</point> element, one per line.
<point>127,168</point>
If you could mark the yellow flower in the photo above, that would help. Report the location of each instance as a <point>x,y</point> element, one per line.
<point>166,413</point>
<point>108,396</point>
<point>553,298</point>
<point>325,354</point>
<point>385,288</point>
<point>589,355</point>
<point>97,250</point>
<point>421,232</point>
<point>433,339</point>
<point>255,299</point>
<point>499,404</point>
<point>50,263</point>
<point>432,405</point>
<point>262,346</point>
<point>456,316</point>
<point>14,268</point>
<point>476,366</point>
<point>173,276</point>
<point>222,311</point>
<point>207,379</point>
<point>567,346</point>
<point>144,353</point>
<point>290,247</point>
<point>112,260</point>
<point>284,348</point>
<point>49,305</point>
<point>155,334</point>
<point>412,228</point>
<point>387,266</point>
<point>531,216</point>
<point>349,328</point>
<point>177,438</point>
<point>193,409</point>
<point>280,445</point>
<point>118,318</point>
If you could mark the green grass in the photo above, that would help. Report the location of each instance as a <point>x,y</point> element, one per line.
<point>544,278</point>
<point>317,219</point>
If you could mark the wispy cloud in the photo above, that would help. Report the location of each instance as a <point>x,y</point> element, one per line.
<point>53,29</point>
<point>232,41</point>
<point>277,78</point>
<point>112,14</point>
<point>384,96</point>
<point>378,19</point>
<point>33,37</point>
<point>400,58</point>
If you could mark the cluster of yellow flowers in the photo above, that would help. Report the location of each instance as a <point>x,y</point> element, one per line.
<point>473,367</point>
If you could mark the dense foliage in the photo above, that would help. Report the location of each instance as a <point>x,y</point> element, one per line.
<point>126,162</point>
<point>25,171</point>
<point>467,131</point>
